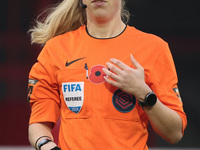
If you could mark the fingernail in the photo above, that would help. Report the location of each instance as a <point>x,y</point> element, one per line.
<point>132,56</point>
<point>112,59</point>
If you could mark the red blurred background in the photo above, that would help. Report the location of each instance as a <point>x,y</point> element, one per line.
<point>177,22</point>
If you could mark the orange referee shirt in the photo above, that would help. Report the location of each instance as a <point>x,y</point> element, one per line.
<point>67,81</point>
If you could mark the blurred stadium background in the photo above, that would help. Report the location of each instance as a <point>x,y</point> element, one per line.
<point>177,22</point>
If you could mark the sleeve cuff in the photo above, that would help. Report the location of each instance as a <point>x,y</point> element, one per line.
<point>44,110</point>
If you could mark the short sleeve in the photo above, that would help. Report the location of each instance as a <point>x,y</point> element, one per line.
<point>43,93</point>
<point>164,83</point>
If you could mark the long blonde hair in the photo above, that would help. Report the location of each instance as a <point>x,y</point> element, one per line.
<point>63,17</point>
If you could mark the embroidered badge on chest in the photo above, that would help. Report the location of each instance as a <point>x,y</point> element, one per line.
<point>123,102</point>
<point>73,93</point>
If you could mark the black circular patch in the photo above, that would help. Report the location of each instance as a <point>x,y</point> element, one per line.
<point>98,73</point>
<point>123,102</point>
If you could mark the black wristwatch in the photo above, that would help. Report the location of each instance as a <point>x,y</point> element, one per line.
<point>149,100</point>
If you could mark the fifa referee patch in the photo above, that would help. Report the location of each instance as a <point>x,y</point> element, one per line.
<point>73,93</point>
<point>123,102</point>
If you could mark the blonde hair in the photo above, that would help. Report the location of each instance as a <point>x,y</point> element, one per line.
<point>63,17</point>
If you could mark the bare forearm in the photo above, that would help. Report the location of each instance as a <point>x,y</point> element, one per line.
<point>166,122</point>
<point>38,130</point>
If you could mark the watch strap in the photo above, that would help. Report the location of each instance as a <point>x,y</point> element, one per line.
<point>56,148</point>
<point>141,104</point>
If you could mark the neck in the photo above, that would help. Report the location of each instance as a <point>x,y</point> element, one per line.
<point>105,29</point>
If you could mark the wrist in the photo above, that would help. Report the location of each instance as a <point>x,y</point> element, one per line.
<point>144,93</point>
<point>43,143</point>
<point>39,141</point>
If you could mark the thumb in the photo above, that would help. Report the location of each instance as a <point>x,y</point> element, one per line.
<point>135,63</point>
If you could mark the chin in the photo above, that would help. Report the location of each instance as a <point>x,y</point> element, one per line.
<point>101,14</point>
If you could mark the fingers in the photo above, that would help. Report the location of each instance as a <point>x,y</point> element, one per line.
<point>120,64</point>
<point>111,74</point>
<point>114,68</point>
<point>119,69</point>
<point>123,66</point>
<point>112,82</point>
<point>135,63</point>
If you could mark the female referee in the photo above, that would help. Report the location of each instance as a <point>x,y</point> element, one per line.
<point>104,79</point>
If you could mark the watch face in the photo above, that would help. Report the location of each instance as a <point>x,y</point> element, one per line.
<point>151,99</point>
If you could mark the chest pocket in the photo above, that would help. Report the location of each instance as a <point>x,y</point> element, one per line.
<point>120,105</point>
<point>73,87</point>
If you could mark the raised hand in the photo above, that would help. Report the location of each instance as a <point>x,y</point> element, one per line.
<point>130,80</point>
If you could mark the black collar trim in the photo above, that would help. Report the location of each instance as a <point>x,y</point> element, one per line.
<point>104,38</point>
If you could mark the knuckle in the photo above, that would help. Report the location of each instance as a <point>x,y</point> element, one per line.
<point>117,62</point>
<point>125,76</point>
<point>110,75</point>
<point>129,70</point>
<point>127,73</point>
<point>112,67</point>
